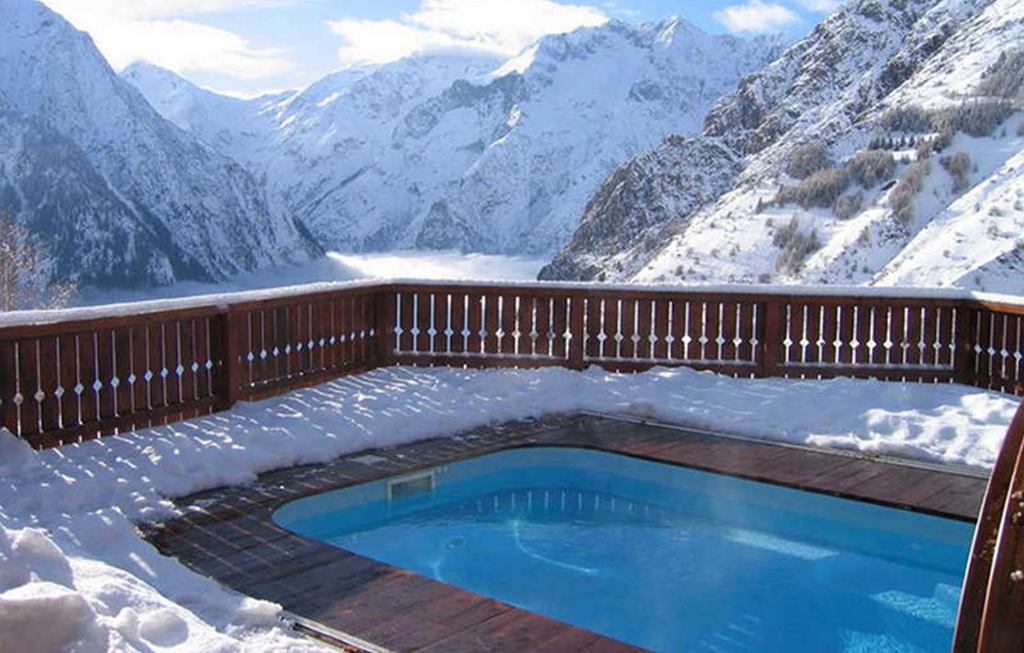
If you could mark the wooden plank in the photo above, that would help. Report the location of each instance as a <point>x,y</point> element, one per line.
<point>442,306</point>
<point>424,321</point>
<point>407,341</point>
<point>49,380</point>
<point>69,401</point>
<point>491,324</point>
<point>613,328</point>
<point>627,318</point>
<point>644,326</point>
<point>897,333</point>
<point>677,351</point>
<point>729,331</point>
<point>87,377</point>
<point>458,323</point>
<point>123,369</point>
<point>846,334</point>
<point>559,327</point>
<point>712,350</point>
<point>508,324</point>
<point>915,336</point>
<point>28,385</point>
<point>475,307</point>
<point>188,358</point>
<point>172,361</point>
<point>202,350</point>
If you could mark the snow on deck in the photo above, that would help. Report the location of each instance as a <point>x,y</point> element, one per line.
<point>72,569</point>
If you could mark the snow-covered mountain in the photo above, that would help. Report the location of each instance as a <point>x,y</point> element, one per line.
<point>457,151</point>
<point>883,148</point>
<point>123,196</point>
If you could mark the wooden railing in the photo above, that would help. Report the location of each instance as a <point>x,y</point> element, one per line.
<point>68,380</point>
<point>992,602</point>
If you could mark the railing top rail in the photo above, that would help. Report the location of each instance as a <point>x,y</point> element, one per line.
<point>252,298</point>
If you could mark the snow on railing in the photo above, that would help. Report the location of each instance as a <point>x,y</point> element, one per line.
<point>67,376</point>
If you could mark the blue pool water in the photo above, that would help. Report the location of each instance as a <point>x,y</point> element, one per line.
<point>663,557</point>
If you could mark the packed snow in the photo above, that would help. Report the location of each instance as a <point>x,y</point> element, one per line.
<point>75,576</point>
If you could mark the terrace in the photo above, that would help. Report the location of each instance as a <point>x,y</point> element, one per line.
<point>91,373</point>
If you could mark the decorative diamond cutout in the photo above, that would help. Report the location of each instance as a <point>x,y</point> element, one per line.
<point>194,367</point>
<point>788,342</point>
<point>132,379</point>
<point>249,357</point>
<point>97,385</point>
<point>287,349</point>
<point>39,396</point>
<point>310,344</point>
<point>687,339</point>
<point>431,332</point>
<point>837,343</point>
<point>720,341</point>
<point>415,331</point>
<point>18,399</point>
<point>465,333</point>
<point>635,338</point>
<point>148,376</point>
<point>59,392</point>
<point>79,389</point>
<point>482,333</point>
<point>448,332</point>
<point>115,382</point>
<point>652,338</point>
<point>703,340</point>
<point>209,364</point>
<point>164,372</point>
<point>263,354</point>
<point>333,340</point>
<point>323,341</point>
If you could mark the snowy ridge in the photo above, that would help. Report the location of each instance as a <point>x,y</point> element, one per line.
<point>451,151</point>
<point>834,88</point>
<point>223,300</point>
<point>136,200</point>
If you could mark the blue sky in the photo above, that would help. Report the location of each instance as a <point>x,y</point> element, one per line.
<point>245,47</point>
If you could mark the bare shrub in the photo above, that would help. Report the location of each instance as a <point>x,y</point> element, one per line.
<point>958,165</point>
<point>1005,78</point>
<point>796,246</point>
<point>848,206</point>
<point>25,271</point>
<point>821,189</point>
<point>807,159</point>
<point>872,167</point>
<point>910,184</point>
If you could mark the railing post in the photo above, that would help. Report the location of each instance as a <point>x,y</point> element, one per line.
<point>229,381</point>
<point>771,338</point>
<point>576,308</point>
<point>385,327</point>
<point>966,323</point>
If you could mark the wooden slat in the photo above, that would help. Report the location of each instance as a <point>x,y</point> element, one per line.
<point>424,316</point>
<point>441,324</point>
<point>627,317</point>
<point>123,369</point>
<point>509,320</point>
<point>475,322</point>
<point>559,326</point>
<point>69,408</point>
<point>729,321</point>
<point>644,324</point>
<point>49,380</point>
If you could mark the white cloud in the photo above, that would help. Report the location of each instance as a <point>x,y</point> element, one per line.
<point>755,17</point>
<point>154,31</point>
<point>501,27</point>
<point>821,6</point>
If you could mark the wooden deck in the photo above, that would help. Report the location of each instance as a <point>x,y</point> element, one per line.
<point>228,534</point>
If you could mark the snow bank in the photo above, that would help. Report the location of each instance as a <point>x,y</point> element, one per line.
<point>71,561</point>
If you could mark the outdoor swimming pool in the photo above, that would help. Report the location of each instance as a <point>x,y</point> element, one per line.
<point>660,556</point>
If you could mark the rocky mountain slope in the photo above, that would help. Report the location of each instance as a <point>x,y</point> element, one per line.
<point>448,151</point>
<point>122,195</point>
<point>883,148</point>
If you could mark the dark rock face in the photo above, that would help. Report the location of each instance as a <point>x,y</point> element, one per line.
<point>653,190</point>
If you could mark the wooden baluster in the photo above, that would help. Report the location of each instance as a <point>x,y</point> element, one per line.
<point>574,344</point>
<point>70,415</point>
<point>49,380</point>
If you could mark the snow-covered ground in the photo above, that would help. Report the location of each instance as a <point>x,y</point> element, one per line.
<point>75,576</point>
<point>336,266</point>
